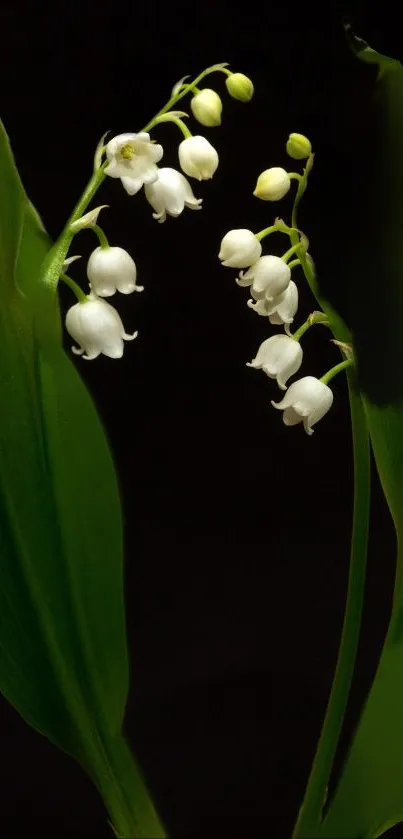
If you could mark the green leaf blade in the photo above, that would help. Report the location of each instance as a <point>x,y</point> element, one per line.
<point>62,550</point>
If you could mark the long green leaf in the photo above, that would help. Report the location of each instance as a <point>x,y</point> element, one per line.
<point>63,657</point>
<point>369,796</point>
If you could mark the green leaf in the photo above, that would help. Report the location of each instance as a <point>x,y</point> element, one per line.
<point>369,795</point>
<point>63,656</point>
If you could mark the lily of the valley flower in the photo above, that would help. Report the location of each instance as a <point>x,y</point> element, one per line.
<point>206,107</point>
<point>279,357</point>
<point>97,328</point>
<point>110,270</point>
<point>307,400</point>
<point>239,248</point>
<point>270,276</point>
<point>133,158</point>
<point>280,310</point>
<point>170,194</point>
<point>197,158</point>
<point>272,184</point>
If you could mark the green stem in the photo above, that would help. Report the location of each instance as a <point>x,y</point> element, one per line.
<point>279,227</point>
<point>186,89</point>
<point>285,257</point>
<point>315,317</point>
<point>315,795</point>
<point>120,783</point>
<point>327,377</point>
<point>53,262</point>
<point>80,294</point>
<point>177,120</point>
<point>103,241</point>
<point>310,813</point>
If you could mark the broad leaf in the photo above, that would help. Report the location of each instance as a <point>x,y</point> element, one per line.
<point>369,796</point>
<point>63,657</point>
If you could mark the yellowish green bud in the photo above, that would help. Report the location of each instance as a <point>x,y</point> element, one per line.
<point>298,146</point>
<point>272,184</point>
<point>206,107</point>
<point>239,87</point>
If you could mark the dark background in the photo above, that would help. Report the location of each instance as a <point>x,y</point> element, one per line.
<point>237,529</point>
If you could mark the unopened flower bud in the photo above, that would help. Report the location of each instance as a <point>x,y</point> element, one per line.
<point>197,158</point>
<point>273,184</point>
<point>239,87</point>
<point>206,107</point>
<point>239,249</point>
<point>298,146</point>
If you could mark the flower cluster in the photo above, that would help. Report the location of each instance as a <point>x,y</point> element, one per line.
<point>275,295</point>
<point>133,158</point>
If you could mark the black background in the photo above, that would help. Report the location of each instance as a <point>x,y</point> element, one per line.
<point>237,529</point>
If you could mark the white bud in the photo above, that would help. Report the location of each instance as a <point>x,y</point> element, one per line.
<point>198,158</point>
<point>239,248</point>
<point>110,270</point>
<point>272,184</point>
<point>97,328</point>
<point>206,107</point>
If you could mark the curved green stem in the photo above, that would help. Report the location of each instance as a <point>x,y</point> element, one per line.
<point>53,262</point>
<point>311,810</point>
<point>80,294</point>
<point>102,237</point>
<point>310,813</point>
<point>186,88</point>
<point>169,117</point>
<point>327,377</point>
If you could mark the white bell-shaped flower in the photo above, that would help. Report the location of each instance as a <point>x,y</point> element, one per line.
<point>170,194</point>
<point>280,310</point>
<point>307,400</point>
<point>272,184</point>
<point>270,276</point>
<point>279,357</point>
<point>206,107</point>
<point>110,270</point>
<point>97,328</point>
<point>197,158</point>
<point>239,248</point>
<point>133,158</point>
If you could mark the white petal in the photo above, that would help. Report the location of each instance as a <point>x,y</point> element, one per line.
<point>112,169</point>
<point>290,417</point>
<point>110,269</point>
<point>151,175</point>
<point>197,157</point>
<point>239,249</point>
<point>132,185</point>
<point>271,276</point>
